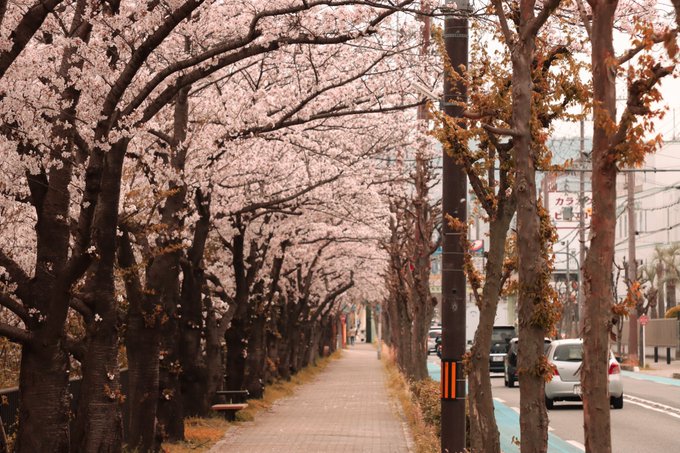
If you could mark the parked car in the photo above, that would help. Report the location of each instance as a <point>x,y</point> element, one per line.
<point>567,357</point>
<point>438,346</point>
<point>500,343</point>
<point>431,337</point>
<point>510,364</point>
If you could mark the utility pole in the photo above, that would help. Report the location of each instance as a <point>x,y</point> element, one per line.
<point>568,290</point>
<point>632,271</point>
<point>581,226</point>
<point>454,196</point>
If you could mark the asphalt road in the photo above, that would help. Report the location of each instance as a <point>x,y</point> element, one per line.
<point>648,423</point>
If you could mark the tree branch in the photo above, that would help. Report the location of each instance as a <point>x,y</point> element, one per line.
<point>15,334</point>
<point>30,23</point>
<point>631,53</point>
<point>584,18</point>
<point>16,274</point>
<point>549,6</point>
<point>500,131</point>
<point>505,28</point>
<point>14,306</point>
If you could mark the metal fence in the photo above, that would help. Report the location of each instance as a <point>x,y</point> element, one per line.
<point>659,333</point>
<point>9,409</point>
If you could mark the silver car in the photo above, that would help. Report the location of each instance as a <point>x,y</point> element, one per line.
<point>567,356</point>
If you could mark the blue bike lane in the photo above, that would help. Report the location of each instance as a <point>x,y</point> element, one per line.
<point>508,425</point>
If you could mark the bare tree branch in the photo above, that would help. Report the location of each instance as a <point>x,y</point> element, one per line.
<point>15,334</point>
<point>14,306</point>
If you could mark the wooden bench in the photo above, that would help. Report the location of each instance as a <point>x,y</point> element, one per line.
<point>235,402</point>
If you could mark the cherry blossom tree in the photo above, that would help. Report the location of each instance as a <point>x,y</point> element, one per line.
<point>107,77</point>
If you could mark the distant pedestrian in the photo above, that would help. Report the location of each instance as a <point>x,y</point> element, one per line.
<point>352,334</point>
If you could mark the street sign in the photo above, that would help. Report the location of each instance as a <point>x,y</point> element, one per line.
<point>643,320</point>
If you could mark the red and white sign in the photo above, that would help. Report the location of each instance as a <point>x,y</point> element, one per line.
<point>643,320</point>
<point>560,203</point>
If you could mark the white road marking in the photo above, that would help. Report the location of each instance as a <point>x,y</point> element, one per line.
<point>499,400</point>
<point>578,445</point>
<point>653,406</point>
<point>550,428</point>
<point>516,409</point>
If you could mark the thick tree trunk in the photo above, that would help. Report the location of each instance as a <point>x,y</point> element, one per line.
<point>163,280</point>
<point>194,378</point>
<point>484,435</point>
<point>533,415</point>
<point>257,353</point>
<point>214,357</point>
<point>142,341</point>
<point>44,402</point>
<point>314,344</point>
<point>236,351</point>
<point>142,347</point>
<point>598,265</point>
<point>170,408</point>
<point>273,350</point>
<point>99,422</point>
<point>99,425</point>
<point>287,342</point>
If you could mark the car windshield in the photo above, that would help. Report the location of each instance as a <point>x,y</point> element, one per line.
<point>434,333</point>
<point>500,335</point>
<point>568,353</point>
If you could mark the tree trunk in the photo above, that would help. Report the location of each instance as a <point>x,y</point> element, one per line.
<point>598,265</point>
<point>484,435</point>
<point>142,341</point>
<point>531,263</point>
<point>661,297</point>
<point>170,408</point>
<point>99,426</point>
<point>142,347</point>
<point>236,351</point>
<point>44,402</point>
<point>287,342</point>
<point>257,354</point>
<point>194,378</point>
<point>214,354</point>
<point>671,297</point>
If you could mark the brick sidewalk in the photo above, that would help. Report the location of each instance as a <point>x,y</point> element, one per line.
<point>346,409</point>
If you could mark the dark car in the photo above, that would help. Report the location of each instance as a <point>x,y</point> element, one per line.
<point>500,343</point>
<point>510,363</point>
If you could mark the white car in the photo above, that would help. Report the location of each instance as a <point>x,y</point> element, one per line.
<point>567,356</point>
<point>432,340</point>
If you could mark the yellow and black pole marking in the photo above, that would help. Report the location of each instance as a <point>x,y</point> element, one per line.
<point>452,380</point>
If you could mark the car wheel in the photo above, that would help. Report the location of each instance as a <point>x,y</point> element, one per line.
<point>549,403</point>
<point>617,402</point>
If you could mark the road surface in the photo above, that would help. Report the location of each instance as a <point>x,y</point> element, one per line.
<point>648,423</point>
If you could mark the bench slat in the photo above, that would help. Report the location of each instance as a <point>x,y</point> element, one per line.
<point>229,407</point>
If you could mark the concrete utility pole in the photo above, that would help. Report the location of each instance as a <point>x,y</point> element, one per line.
<point>581,226</point>
<point>454,197</point>
<point>632,270</point>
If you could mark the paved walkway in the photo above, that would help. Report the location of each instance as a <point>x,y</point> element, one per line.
<point>345,409</point>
